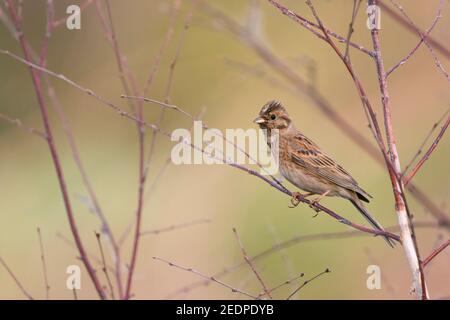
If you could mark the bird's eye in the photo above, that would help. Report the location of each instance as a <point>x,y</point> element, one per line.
<point>273,117</point>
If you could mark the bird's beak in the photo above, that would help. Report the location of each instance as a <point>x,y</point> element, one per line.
<point>259,120</point>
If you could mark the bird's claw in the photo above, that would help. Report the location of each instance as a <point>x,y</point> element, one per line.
<point>295,199</point>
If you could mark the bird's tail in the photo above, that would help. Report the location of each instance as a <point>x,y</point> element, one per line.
<point>371,220</point>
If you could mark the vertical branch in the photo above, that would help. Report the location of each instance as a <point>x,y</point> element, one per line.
<point>129,86</point>
<point>168,36</point>
<point>356,5</point>
<point>406,228</point>
<point>53,151</point>
<point>250,263</point>
<point>44,265</point>
<point>104,267</point>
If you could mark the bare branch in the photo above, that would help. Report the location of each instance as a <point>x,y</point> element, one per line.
<point>435,253</point>
<point>175,227</point>
<point>420,150</point>
<point>428,153</point>
<point>16,280</point>
<point>284,283</point>
<point>320,101</point>
<point>422,39</point>
<point>212,278</point>
<point>404,22</point>
<point>314,28</point>
<point>423,36</point>
<point>44,265</point>
<point>307,282</point>
<point>249,262</point>
<point>53,151</point>
<point>18,123</point>
<point>104,268</point>
<point>291,242</point>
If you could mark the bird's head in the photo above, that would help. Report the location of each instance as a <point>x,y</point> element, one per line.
<point>273,116</point>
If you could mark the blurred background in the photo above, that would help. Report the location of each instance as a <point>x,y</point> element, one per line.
<point>218,72</point>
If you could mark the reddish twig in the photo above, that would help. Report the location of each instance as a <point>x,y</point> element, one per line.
<point>284,283</point>
<point>435,253</point>
<point>53,151</point>
<point>404,217</point>
<point>316,206</point>
<point>428,153</point>
<point>16,280</point>
<point>422,40</point>
<point>175,227</point>
<point>315,28</point>
<point>129,85</point>
<point>307,282</point>
<point>423,37</point>
<point>404,22</point>
<point>420,150</point>
<point>291,242</point>
<point>249,262</point>
<point>355,9</point>
<point>104,268</point>
<point>44,265</point>
<point>68,131</point>
<point>90,254</point>
<point>18,123</point>
<point>211,278</point>
<point>311,92</point>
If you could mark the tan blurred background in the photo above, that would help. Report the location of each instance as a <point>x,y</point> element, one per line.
<point>30,196</point>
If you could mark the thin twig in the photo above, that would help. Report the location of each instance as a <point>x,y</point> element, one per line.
<point>316,206</point>
<point>435,253</point>
<point>104,268</point>
<point>212,278</point>
<point>422,40</point>
<point>249,262</point>
<point>307,282</point>
<point>420,150</point>
<point>53,151</point>
<point>284,283</point>
<point>409,241</point>
<point>44,265</point>
<point>18,123</point>
<point>315,28</point>
<point>404,22</point>
<point>356,5</point>
<point>90,254</point>
<point>16,280</point>
<point>175,227</point>
<point>428,153</point>
<point>423,36</point>
<point>319,100</point>
<point>129,85</point>
<point>290,242</point>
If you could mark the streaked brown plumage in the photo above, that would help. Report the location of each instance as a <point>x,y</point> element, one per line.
<point>305,165</point>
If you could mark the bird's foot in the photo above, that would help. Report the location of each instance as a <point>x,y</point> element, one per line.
<point>313,204</point>
<point>295,200</point>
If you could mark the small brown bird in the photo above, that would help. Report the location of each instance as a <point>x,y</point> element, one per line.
<point>303,164</point>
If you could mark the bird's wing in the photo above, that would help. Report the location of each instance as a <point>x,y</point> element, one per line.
<point>308,155</point>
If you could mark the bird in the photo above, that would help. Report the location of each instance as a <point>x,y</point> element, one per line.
<point>303,163</point>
